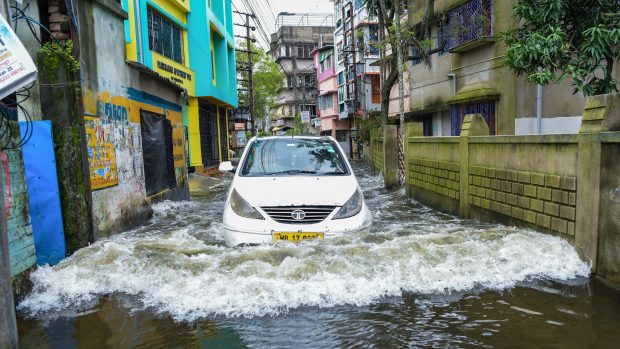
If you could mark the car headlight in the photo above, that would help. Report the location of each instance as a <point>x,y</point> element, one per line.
<point>242,208</point>
<point>351,207</point>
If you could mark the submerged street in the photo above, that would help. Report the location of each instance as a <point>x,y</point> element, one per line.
<point>417,278</point>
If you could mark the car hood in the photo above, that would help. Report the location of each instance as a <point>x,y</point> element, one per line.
<point>296,190</point>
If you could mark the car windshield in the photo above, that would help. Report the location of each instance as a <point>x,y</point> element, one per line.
<point>293,156</point>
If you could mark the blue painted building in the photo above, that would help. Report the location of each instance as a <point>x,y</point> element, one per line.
<point>191,43</point>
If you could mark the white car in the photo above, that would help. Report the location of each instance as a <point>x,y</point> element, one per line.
<point>292,188</point>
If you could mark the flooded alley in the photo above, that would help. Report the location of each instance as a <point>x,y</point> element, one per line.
<point>417,278</point>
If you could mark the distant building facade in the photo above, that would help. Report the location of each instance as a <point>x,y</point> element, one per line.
<point>356,41</point>
<point>468,76</point>
<point>292,45</point>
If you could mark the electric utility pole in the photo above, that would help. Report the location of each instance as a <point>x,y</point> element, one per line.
<point>249,68</point>
<point>351,85</point>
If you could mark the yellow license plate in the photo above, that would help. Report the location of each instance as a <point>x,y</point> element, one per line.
<point>293,237</point>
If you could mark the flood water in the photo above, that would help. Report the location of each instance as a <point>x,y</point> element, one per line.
<point>418,278</point>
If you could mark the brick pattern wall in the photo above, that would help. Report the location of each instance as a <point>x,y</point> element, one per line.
<point>59,19</point>
<point>377,154</point>
<point>545,200</point>
<point>440,177</point>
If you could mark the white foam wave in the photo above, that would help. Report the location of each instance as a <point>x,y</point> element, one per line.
<point>178,274</point>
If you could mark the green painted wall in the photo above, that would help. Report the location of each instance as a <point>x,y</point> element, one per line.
<point>19,230</point>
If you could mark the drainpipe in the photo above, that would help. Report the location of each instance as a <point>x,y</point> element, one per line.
<point>539,106</point>
<point>138,18</point>
<point>453,77</point>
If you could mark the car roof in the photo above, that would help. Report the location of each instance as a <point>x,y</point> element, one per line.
<point>295,137</point>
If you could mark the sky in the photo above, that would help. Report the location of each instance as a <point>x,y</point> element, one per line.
<point>266,10</point>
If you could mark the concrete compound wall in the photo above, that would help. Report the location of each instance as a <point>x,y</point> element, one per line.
<point>114,93</point>
<point>561,184</point>
<point>376,149</point>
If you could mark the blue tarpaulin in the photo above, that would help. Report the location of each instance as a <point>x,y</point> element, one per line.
<point>43,193</point>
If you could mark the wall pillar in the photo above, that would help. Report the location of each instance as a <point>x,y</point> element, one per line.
<point>390,151</point>
<point>473,125</point>
<point>414,129</point>
<point>601,114</point>
<point>195,152</point>
<point>62,107</point>
<point>371,148</point>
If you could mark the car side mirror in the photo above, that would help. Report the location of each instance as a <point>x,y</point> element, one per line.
<point>227,166</point>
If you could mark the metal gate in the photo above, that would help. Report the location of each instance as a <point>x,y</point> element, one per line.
<point>223,134</point>
<point>207,115</point>
<point>484,108</point>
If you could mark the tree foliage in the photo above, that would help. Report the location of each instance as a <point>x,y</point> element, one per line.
<point>268,79</point>
<point>560,39</point>
<point>388,13</point>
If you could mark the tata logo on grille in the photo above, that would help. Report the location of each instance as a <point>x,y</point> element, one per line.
<point>298,215</point>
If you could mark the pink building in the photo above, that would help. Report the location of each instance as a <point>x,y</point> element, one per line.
<point>327,100</point>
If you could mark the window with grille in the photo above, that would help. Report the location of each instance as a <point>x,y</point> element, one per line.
<point>375,88</point>
<point>290,81</point>
<point>484,108</point>
<point>327,63</point>
<point>165,37</point>
<point>341,94</point>
<point>341,136</point>
<point>326,102</point>
<point>373,39</point>
<point>303,51</point>
<point>309,80</point>
<point>470,21</point>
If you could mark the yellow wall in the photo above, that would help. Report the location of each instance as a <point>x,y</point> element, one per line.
<point>131,47</point>
<point>174,8</point>
<point>97,122</point>
<point>194,133</point>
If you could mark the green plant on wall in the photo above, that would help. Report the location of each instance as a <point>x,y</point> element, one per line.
<point>56,52</point>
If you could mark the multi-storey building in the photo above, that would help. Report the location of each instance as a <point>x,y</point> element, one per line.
<point>468,75</point>
<point>356,40</point>
<point>327,95</point>
<point>292,45</point>
<point>190,43</point>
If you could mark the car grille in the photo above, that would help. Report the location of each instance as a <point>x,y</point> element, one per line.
<point>313,214</point>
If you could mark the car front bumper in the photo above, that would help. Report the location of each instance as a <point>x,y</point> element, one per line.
<point>239,230</point>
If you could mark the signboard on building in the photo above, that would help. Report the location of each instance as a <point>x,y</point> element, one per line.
<point>305,117</point>
<point>16,67</point>
<point>175,72</point>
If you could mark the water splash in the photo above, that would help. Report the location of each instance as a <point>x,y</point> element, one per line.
<point>178,264</point>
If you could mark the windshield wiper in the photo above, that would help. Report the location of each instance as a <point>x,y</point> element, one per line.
<point>293,172</point>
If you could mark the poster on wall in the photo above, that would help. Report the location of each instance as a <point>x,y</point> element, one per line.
<point>101,158</point>
<point>16,67</point>
<point>305,117</point>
